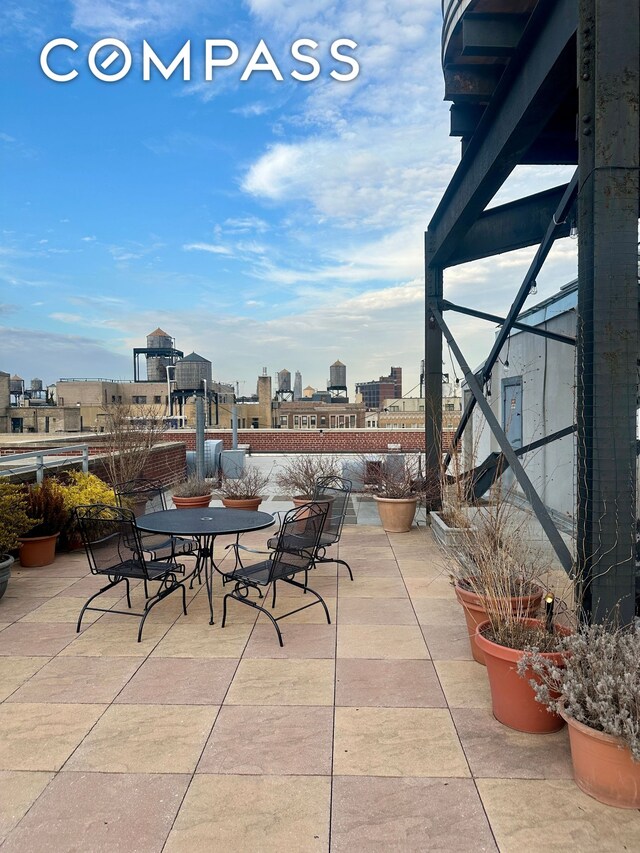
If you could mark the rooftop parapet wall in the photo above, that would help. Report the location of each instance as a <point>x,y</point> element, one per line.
<point>314,441</point>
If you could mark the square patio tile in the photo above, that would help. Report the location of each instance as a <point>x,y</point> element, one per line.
<point>404,815</point>
<point>37,586</point>
<point>374,587</point>
<point>496,751</point>
<point>447,642</point>
<point>465,683</point>
<point>115,636</point>
<point>65,608</point>
<point>14,671</point>
<point>102,813</point>
<point>179,681</point>
<point>15,608</point>
<point>36,639</point>
<point>555,816</point>
<point>381,641</point>
<point>41,736</point>
<point>282,682</point>
<point>78,679</point>
<point>396,742</point>
<point>387,683</point>
<point>18,791</point>
<point>375,611</point>
<point>431,585</point>
<point>300,641</point>
<point>249,813</point>
<point>197,639</point>
<point>439,612</point>
<point>146,739</point>
<point>270,740</point>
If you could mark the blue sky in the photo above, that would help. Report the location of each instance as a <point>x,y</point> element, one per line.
<point>261,223</point>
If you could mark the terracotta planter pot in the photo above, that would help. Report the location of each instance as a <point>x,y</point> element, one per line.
<point>475,612</point>
<point>514,702</point>
<point>603,767</point>
<point>192,503</point>
<point>242,503</point>
<point>300,500</point>
<point>396,514</point>
<point>38,551</point>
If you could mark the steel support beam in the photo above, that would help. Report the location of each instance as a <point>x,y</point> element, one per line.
<point>433,372</point>
<point>609,91</point>
<point>557,220</point>
<point>521,107</point>
<point>506,227</point>
<point>494,318</point>
<point>556,540</point>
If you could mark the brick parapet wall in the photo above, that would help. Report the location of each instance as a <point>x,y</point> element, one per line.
<point>313,441</point>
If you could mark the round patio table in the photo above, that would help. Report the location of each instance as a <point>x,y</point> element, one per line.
<point>204,525</point>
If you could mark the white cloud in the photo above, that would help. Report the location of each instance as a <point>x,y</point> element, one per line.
<point>120,18</point>
<point>66,318</point>
<point>213,248</point>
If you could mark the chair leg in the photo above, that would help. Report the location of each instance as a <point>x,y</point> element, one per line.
<point>335,560</point>
<point>273,601</point>
<point>126,580</point>
<point>255,606</point>
<point>95,595</point>
<point>313,592</point>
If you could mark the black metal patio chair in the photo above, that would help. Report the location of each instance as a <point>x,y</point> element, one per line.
<point>143,496</point>
<point>114,549</point>
<point>294,553</point>
<point>335,491</point>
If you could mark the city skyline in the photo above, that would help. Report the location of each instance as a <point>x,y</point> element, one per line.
<point>263,223</point>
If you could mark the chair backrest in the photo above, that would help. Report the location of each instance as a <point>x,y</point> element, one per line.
<point>110,538</point>
<point>141,495</point>
<point>298,539</point>
<point>337,491</point>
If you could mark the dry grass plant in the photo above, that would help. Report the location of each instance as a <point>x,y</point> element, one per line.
<point>395,476</point>
<point>131,434</point>
<point>193,487</point>
<point>250,484</point>
<point>297,476</point>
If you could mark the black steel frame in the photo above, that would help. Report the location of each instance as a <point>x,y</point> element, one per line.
<point>598,44</point>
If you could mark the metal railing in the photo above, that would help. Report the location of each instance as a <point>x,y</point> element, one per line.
<point>39,465</point>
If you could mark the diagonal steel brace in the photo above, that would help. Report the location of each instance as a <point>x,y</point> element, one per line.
<point>556,540</point>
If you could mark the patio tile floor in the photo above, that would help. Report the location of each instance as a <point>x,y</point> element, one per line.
<point>372,733</point>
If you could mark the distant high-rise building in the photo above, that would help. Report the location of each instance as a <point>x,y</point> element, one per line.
<point>297,386</point>
<point>386,387</point>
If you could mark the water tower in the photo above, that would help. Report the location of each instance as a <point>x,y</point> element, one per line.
<point>337,386</point>
<point>284,391</point>
<point>160,353</point>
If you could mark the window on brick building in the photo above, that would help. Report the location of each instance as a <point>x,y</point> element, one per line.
<point>140,400</point>
<point>157,398</point>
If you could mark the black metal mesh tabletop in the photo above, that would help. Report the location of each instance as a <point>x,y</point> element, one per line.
<point>211,521</point>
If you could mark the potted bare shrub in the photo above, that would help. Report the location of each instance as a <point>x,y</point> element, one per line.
<point>193,493</point>
<point>298,475</point>
<point>398,486</point>
<point>244,491</point>
<point>494,571</point>
<point>597,691</point>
